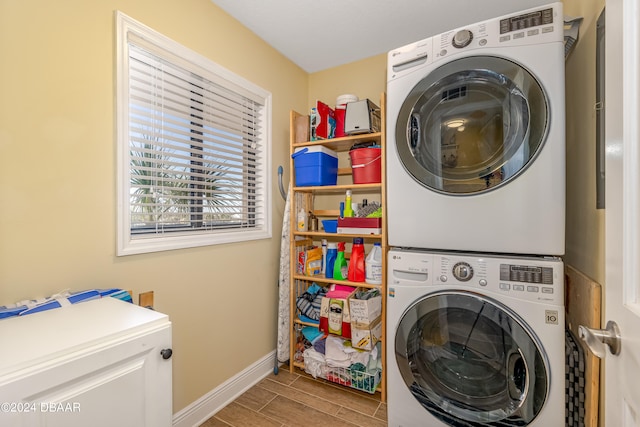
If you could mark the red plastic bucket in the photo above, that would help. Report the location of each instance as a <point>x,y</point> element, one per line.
<point>366,165</point>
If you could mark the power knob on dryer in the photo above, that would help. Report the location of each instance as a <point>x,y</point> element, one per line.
<point>462,38</point>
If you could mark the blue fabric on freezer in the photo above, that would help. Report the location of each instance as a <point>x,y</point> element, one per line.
<point>56,301</point>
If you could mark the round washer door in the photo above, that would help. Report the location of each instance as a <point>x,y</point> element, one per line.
<point>470,361</point>
<point>472,125</point>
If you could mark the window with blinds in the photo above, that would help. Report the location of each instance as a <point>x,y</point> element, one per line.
<point>193,148</point>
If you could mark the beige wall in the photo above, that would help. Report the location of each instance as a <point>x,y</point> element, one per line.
<point>585,223</point>
<point>366,79</point>
<point>57,178</point>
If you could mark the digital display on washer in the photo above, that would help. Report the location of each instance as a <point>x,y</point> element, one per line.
<point>526,273</point>
<point>521,22</point>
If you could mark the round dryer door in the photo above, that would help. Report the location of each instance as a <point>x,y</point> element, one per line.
<point>472,125</point>
<point>470,361</point>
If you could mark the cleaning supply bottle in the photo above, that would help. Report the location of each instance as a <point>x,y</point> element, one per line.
<point>373,265</point>
<point>302,220</point>
<point>332,253</point>
<point>324,257</point>
<point>340,267</point>
<point>356,262</point>
<point>313,222</point>
<point>348,209</point>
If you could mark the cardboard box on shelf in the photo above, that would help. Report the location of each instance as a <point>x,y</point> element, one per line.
<point>365,311</point>
<point>366,337</point>
<point>324,126</point>
<point>335,316</point>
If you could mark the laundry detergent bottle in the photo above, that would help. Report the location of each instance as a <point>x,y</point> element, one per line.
<point>340,267</point>
<point>373,265</point>
<point>356,271</point>
<point>332,253</point>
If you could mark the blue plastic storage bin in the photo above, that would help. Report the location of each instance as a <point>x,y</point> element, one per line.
<point>316,165</point>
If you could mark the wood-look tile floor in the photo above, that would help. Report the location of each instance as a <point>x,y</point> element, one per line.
<point>295,400</point>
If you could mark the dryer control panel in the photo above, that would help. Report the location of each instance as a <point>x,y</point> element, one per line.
<point>530,27</point>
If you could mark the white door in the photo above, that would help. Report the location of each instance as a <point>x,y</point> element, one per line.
<point>622,287</point>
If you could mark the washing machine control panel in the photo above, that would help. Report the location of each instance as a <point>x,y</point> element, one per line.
<point>527,278</point>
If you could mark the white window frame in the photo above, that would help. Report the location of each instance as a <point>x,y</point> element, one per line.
<point>129,243</point>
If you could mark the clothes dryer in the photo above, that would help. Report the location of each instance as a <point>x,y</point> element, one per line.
<point>476,137</point>
<point>474,340</point>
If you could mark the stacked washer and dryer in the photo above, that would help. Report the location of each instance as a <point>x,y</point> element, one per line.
<point>476,225</point>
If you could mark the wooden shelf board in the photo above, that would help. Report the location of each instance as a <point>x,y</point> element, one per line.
<point>303,323</point>
<point>336,235</point>
<point>327,212</point>
<point>341,144</point>
<point>320,279</point>
<point>338,188</point>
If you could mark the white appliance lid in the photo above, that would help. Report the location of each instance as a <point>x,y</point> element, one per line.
<point>41,336</point>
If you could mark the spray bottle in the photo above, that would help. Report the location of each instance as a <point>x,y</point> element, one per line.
<point>348,209</point>
<point>340,267</point>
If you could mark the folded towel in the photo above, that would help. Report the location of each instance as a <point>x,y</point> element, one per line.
<point>340,291</point>
<point>310,301</point>
<point>311,333</point>
<point>308,319</point>
<point>336,352</point>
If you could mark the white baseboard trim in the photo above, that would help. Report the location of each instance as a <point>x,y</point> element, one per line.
<point>202,409</point>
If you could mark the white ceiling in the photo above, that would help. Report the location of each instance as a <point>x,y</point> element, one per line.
<point>323,34</point>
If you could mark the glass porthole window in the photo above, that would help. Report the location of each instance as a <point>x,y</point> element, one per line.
<point>472,125</point>
<point>470,361</point>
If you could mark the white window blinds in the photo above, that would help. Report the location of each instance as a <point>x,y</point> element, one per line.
<point>196,148</point>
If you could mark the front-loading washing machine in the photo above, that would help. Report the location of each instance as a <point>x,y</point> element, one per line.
<point>474,340</point>
<point>476,137</point>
